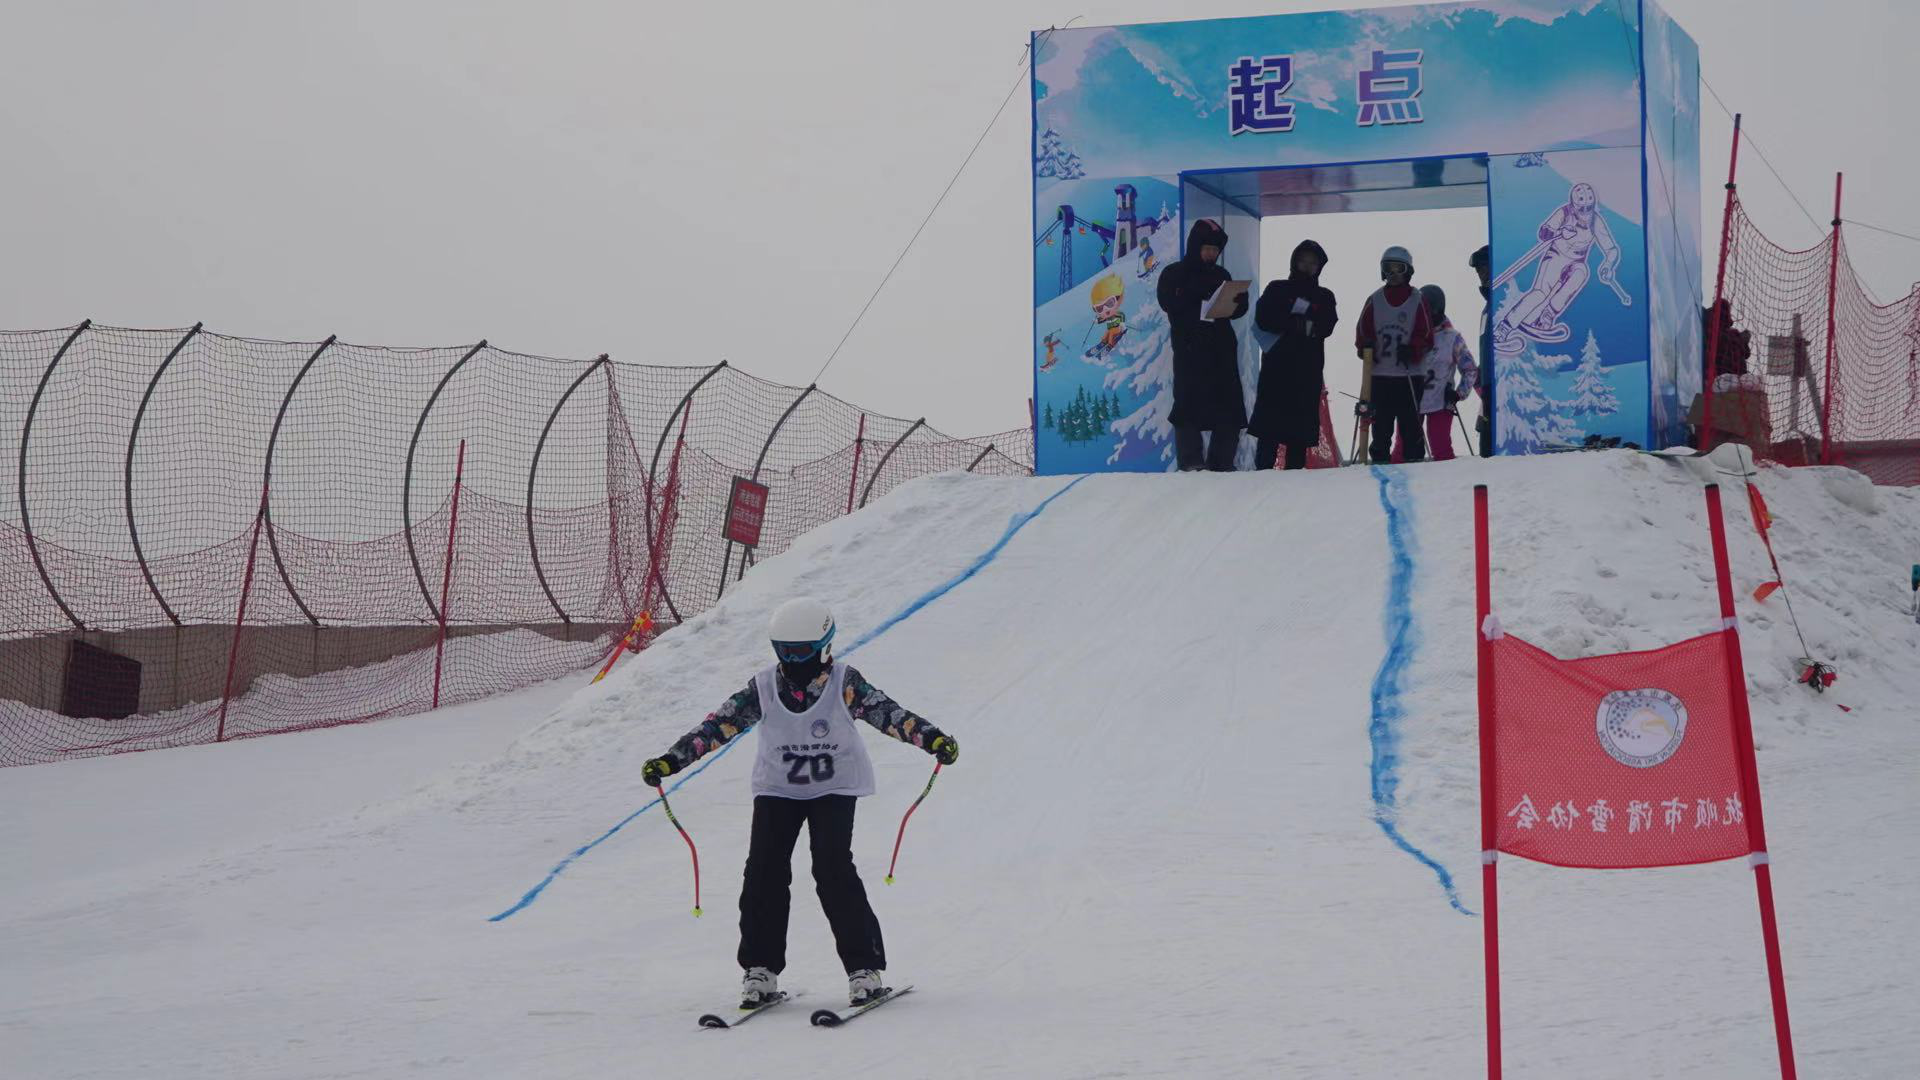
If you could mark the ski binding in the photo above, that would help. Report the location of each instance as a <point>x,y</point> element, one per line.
<point>829,1018</point>
<point>741,1016</point>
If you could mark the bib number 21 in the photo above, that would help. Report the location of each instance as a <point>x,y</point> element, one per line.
<point>808,768</point>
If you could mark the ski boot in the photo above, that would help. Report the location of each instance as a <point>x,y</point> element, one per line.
<point>758,987</point>
<point>863,986</point>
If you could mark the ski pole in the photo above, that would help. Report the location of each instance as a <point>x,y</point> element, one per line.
<point>903,822</point>
<point>1464,433</point>
<point>668,807</point>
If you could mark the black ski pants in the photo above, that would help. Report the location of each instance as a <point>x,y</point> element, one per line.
<point>1396,401</point>
<point>1269,449</point>
<point>765,895</point>
<point>1219,452</point>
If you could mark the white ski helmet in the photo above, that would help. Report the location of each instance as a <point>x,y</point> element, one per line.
<point>801,629</point>
<point>1398,254</point>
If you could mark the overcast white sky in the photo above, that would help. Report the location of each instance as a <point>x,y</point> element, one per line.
<point>676,183</point>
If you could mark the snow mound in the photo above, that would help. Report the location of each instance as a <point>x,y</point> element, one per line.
<point>1158,854</point>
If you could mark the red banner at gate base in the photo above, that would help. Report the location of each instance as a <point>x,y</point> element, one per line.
<point>1617,761</point>
<point>746,508</point>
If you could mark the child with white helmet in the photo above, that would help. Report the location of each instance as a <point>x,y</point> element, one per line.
<point>812,765</point>
<point>1449,374</point>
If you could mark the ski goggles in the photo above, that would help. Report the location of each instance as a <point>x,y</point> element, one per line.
<point>794,652</point>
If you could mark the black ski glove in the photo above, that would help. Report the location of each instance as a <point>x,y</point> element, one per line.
<point>1363,409</point>
<point>1453,397</point>
<point>658,769</point>
<point>944,749</point>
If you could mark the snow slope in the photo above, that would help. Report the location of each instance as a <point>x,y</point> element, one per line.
<point>1160,853</point>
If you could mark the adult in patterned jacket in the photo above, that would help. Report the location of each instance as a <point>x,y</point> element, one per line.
<point>1286,407</point>
<point>1449,374</point>
<point>812,765</point>
<point>1394,324</point>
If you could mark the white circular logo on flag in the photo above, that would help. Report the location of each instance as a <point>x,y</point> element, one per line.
<point>1641,728</point>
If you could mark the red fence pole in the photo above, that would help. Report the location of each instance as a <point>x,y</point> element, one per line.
<point>1719,294</point>
<point>446,575</point>
<point>240,619</point>
<point>1750,784</point>
<point>1489,843</point>
<point>853,481</point>
<point>1833,279</point>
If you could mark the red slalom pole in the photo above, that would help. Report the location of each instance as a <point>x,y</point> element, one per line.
<point>1719,295</point>
<point>1833,279</point>
<point>903,822</point>
<point>1750,786</point>
<point>1489,835</point>
<point>668,807</point>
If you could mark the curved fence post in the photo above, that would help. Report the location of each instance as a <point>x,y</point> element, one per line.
<point>981,458</point>
<point>266,481</point>
<point>133,437</point>
<point>26,431</point>
<point>886,457</point>
<point>533,470</point>
<point>653,480</point>
<point>406,485</point>
<point>757,463</point>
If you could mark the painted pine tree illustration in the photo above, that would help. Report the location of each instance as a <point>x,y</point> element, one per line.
<point>1592,394</point>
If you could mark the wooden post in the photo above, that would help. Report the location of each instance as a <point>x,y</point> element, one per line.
<point>240,619</point>
<point>446,574</point>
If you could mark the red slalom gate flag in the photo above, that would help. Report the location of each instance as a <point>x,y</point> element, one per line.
<point>1763,522</point>
<point>1617,761</point>
<point>1636,759</point>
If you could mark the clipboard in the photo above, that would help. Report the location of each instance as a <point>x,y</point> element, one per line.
<point>1224,299</point>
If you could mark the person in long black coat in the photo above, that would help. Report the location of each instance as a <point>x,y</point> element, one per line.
<point>1207,396</point>
<point>1292,371</point>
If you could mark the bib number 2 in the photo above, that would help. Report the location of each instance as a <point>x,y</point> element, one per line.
<point>808,768</point>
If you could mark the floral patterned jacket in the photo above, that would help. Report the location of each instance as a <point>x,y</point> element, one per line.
<point>739,713</point>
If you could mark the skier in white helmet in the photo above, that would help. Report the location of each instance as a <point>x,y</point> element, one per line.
<point>812,765</point>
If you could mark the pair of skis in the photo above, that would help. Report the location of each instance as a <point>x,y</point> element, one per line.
<point>820,1018</point>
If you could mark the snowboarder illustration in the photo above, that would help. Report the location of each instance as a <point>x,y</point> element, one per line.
<point>1108,295</point>
<point>1148,260</point>
<point>1566,238</point>
<point>1052,342</point>
<point>812,767</point>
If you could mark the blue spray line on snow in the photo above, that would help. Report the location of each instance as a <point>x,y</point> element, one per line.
<point>1403,638</point>
<point>1018,522</point>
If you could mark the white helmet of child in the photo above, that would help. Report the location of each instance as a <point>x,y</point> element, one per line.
<point>1398,254</point>
<point>800,622</point>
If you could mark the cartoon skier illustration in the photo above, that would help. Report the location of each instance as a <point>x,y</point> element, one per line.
<point>1108,295</point>
<point>1566,238</point>
<point>1052,342</point>
<point>1148,260</point>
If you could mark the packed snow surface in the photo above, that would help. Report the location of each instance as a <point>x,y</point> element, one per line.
<point>1161,852</point>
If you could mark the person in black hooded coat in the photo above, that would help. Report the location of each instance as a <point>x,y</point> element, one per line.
<point>1207,395</point>
<point>1303,314</point>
